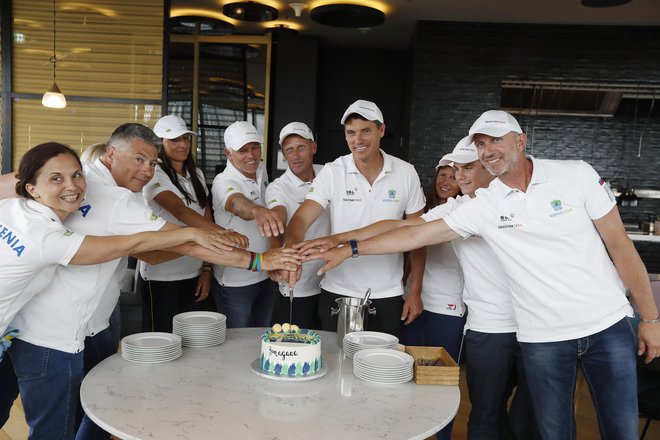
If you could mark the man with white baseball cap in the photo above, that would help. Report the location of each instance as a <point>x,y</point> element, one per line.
<point>361,188</point>
<point>555,229</point>
<point>490,349</point>
<point>239,203</point>
<point>284,195</point>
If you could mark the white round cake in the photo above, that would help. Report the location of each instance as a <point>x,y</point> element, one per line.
<point>289,351</point>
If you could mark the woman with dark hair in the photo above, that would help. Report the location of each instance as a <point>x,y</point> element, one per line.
<point>177,193</point>
<point>33,242</point>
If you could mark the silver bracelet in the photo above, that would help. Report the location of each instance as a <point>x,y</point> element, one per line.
<point>650,321</point>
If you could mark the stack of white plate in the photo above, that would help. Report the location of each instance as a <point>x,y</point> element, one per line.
<point>200,329</point>
<point>383,365</point>
<point>151,347</point>
<point>356,341</point>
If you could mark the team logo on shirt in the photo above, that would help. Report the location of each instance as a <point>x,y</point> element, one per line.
<point>231,188</point>
<point>558,208</point>
<point>506,222</point>
<point>153,217</point>
<point>350,193</point>
<point>68,233</point>
<point>451,306</point>
<point>391,196</point>
<point>84,209</point>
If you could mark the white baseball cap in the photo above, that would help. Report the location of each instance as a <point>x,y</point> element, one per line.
<point>366,109</point>
<point>495,123</point>
<point>171,127</point>
<point>298,128</point>
<point>464,152</point>
<point>240,133</point>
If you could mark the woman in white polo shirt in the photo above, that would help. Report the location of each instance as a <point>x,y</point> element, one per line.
<point>178,194</point>
<point>33,242</point>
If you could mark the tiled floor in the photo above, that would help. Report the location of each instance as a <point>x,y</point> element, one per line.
<point>587,427</point>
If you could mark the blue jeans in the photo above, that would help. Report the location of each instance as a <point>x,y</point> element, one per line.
<point>494,367</point>
<point>249,306</point>
<point>608,363</point>
<point>49,382</point>
<point>8,388</point>
<point>97,348</point>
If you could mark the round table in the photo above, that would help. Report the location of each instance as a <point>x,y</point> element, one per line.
<point>214,393</point>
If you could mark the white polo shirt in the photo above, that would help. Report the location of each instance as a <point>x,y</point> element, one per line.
<point>33,242</point>
<point>485,285</point>
<point>354,203</point>
<point>184,267</point>
<point>225,184</point>
<point>442,289</point>
<point>289,191</point>
<point>563,282</point>
<point>80,299</point>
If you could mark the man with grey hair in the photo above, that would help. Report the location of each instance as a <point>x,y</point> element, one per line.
<point>556,230</point>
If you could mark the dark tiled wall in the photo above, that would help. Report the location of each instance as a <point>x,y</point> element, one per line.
<point>458,69</point>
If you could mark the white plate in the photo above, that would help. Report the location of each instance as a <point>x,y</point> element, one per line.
<point>383,358</point>
<point>200,318</point>
<point>151,361</point>
<point>259,372</point>
<point>371,339</point>
<point>151,340</point>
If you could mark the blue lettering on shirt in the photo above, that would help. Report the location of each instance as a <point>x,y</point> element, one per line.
<point>84,209</point>
<point>12,240</point>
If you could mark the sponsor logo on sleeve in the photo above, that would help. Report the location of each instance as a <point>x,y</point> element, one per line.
<point>608,190</point>
<point>153,217</point>
<point>231,188</point>
<point>155,185</point>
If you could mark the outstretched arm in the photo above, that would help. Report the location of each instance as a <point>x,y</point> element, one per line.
<point>269,224</point>
<point>633,273</point>
<point>402,239</point>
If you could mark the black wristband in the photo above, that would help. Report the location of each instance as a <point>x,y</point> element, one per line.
<point>251,261</point>
<point>354,248</point>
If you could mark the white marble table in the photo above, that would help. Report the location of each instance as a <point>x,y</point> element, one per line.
<point>211,393</point>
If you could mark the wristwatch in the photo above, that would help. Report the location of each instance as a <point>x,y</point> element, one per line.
<point>354,248</point>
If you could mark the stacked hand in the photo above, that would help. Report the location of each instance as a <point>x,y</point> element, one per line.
<point>270,225</point>
<point>212,239</point>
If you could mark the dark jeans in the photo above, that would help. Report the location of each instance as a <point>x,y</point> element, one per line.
<point>49,382</point>
<point>387,318</point>
<point>305,311</point>
<point>249,306</point>
<point>8,388</point>
<point>97,348</point>
<point>494,368</point>
<point>608,362</point>
<point>435,330</point>
<point>164,299</point>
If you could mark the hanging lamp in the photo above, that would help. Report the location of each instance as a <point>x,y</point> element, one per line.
<point>54,98</point>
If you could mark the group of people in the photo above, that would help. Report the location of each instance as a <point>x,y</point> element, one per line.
<point>534,290</point>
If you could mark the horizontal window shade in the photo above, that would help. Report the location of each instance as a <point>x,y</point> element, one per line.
<point>104,49</point>
<point>79,125</point>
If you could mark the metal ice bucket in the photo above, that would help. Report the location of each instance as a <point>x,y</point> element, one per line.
<point>352,316</point>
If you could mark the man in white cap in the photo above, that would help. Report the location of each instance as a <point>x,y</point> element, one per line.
<point>555,228</point>
<point>361,188</point>
<point>284,195</point>
<point>490,349</point>
<point>239,203</point>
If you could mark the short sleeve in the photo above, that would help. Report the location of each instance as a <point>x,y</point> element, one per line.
<point>440,211</point>
<point>466,219</point>
<point>275,195</point>
<point>416,201</point>
<point>131,215</point>
<point>59,245</point>
<point>599,199</point>
<point>321,189</point>
<point>223,187</point>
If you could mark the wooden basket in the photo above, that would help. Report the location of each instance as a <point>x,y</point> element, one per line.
<point>445,374</point>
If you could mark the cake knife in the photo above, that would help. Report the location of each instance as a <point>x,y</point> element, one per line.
<point>290,305</point>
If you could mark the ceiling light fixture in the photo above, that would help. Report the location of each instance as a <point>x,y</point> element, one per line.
<point>603,3</point>
<point>297,8</point>
<point>54,98</point>
<point>348,15</point>
<point>250,11</point>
